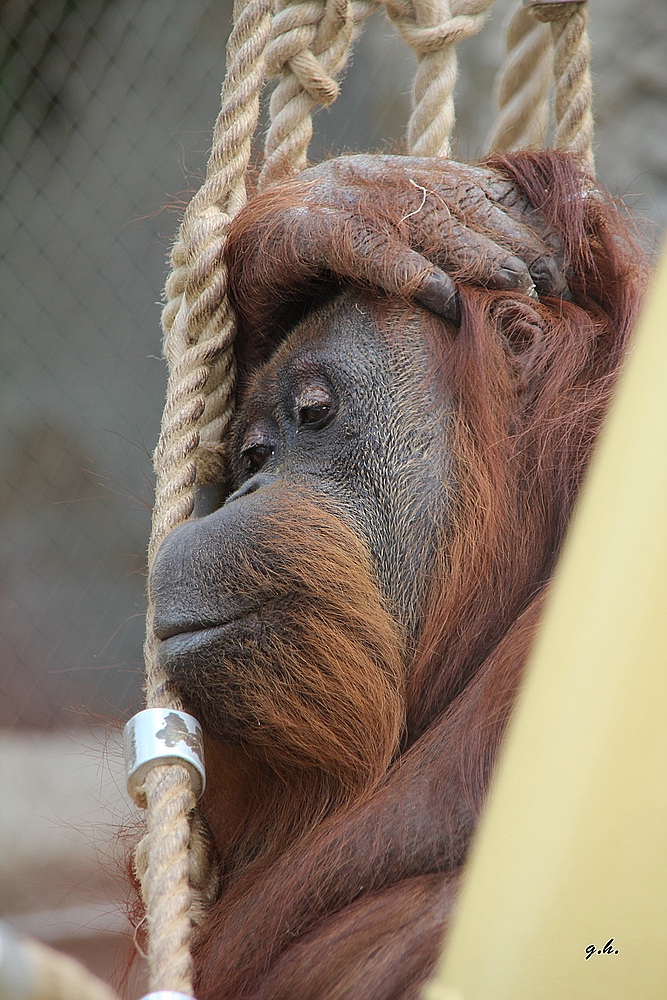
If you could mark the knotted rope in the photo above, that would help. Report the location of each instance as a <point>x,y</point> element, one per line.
<point>540,36</point>
<point>431,29</point>
<point>523,84</point>
<point>308,47</point>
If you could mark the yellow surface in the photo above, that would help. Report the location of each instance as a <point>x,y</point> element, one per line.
<point>573,847</point>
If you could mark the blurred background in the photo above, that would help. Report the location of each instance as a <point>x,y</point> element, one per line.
<point>106,109</point>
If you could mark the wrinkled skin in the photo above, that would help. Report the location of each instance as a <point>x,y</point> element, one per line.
<point>382,471</point>
<point>480,214</point>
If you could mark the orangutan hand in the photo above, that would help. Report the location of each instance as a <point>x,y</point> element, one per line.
<point>457,221</point>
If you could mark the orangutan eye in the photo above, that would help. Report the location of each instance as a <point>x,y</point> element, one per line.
<point>315,408</point>
<point>314,415</point>
<point>254,456</point>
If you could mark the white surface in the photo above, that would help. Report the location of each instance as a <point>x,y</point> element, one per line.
<point>61,805</point>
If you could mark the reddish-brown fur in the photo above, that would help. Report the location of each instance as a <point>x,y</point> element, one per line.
<point>313,752</point>
<point>344,890</point>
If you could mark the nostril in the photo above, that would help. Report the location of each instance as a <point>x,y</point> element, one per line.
<point>257,482</point>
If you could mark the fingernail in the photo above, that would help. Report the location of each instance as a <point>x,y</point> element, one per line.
<point>548,278</point>
<point>513,276</point>
<point>438,293</point>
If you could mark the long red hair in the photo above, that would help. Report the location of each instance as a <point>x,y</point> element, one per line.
<point>529,383</point>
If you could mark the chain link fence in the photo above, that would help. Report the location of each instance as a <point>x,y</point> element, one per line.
<point>98,98</point>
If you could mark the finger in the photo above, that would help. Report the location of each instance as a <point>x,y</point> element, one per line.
<point>349,247</point>
<point>438,293</point>
<point>549,278</point>
<point>434,191</point>
<point>381,260</point>
<point>307,246</point>
<point>471,255</point>
<point>491,205</point>
<point>478,234</point>
<point>544,268</point>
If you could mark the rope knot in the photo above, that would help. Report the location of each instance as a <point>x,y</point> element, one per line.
<point>553,11</point>
<point>431,28</point>
<point>311,39</point>
<point>425,39</point>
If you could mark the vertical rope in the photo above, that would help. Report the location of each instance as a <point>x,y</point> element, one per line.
<point>166,888</point>
<point>574,91</point>
<point>199,331</point>
<point>523,83</point>
<point>431,28</point>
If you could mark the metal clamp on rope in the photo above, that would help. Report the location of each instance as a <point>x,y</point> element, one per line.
<point>162,736</point>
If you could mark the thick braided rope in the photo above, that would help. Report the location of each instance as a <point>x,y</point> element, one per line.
<point>523,83</point>
<point>198,327</point>
<point>309,47</point>
<point>574,91</point>
<point>431,28</point>
<point>166,888</point>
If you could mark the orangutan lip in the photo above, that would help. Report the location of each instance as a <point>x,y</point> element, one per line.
<point>184,642</point>
<point>195,632</point>
<point>178,648</point>
<point>164,632</point>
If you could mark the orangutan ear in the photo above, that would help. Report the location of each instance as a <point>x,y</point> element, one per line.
<point>521,327</point>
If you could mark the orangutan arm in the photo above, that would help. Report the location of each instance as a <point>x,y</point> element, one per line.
<point>380,946</point>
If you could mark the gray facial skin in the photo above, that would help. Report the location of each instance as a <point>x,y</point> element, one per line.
<point>349,413</point>
<point>376,456</point>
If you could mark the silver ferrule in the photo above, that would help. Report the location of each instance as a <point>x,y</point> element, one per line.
<point>162,736</point>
